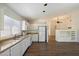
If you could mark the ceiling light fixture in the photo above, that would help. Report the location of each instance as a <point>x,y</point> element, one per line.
<point>44,11</point>
<point>45,4</point>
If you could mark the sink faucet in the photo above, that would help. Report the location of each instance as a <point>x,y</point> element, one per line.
<point>17,36</point>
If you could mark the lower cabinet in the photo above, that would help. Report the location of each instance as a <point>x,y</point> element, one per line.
<point>5,53</point>
<point>35,37</point>
<point>66,36</point>
<point>29,42</point>
<point>20,48</point>
<point>23,45</point>
<point>16,50</point>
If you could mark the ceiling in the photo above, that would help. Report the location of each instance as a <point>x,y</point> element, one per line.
<point>35,10</point>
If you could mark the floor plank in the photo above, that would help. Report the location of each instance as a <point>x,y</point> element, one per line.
<point>53,48</point>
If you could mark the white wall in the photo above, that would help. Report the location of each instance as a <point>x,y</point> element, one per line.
<point>38,22</point>
<point>74,23</point>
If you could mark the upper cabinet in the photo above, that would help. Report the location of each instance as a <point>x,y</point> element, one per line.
<point>23,25</point>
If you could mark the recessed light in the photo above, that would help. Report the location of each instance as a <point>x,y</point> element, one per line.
<point>45,4</point>
<point>43,10</point>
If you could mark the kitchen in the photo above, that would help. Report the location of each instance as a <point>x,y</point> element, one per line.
<point>21,28</point>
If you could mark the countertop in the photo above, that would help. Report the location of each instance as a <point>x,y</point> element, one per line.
<point>67,30</point>
<point>32,33</point>
<point>10,42</point>
<point>7,43</point>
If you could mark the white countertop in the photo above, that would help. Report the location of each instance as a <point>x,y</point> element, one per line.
<point>8,43</point>
<point>67,30</point>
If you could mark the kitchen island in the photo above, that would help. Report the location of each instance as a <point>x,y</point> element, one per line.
<point>67,35</point>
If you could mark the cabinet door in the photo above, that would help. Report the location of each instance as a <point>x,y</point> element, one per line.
<point>23,44</point>
<point>26,43</point>
<point>63,36</point>
<point>32,38</point>
<point>5,53</point>
<point>29,41</point>
<point>16,50</point>
<point>35,38</point>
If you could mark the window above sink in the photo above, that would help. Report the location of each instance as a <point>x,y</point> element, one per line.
<point>11,27</point>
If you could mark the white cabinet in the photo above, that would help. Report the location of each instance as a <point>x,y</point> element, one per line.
<point>5,53</point>
<point>28,43</point>
<point>35,37</point>
<point>66,35</point>
<point>19,48</point>
<point>23,45</point>
<point>16,50</point>
<point>78,35</point>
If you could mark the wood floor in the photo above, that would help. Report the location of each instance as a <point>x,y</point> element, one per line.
<point>53,48</point>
